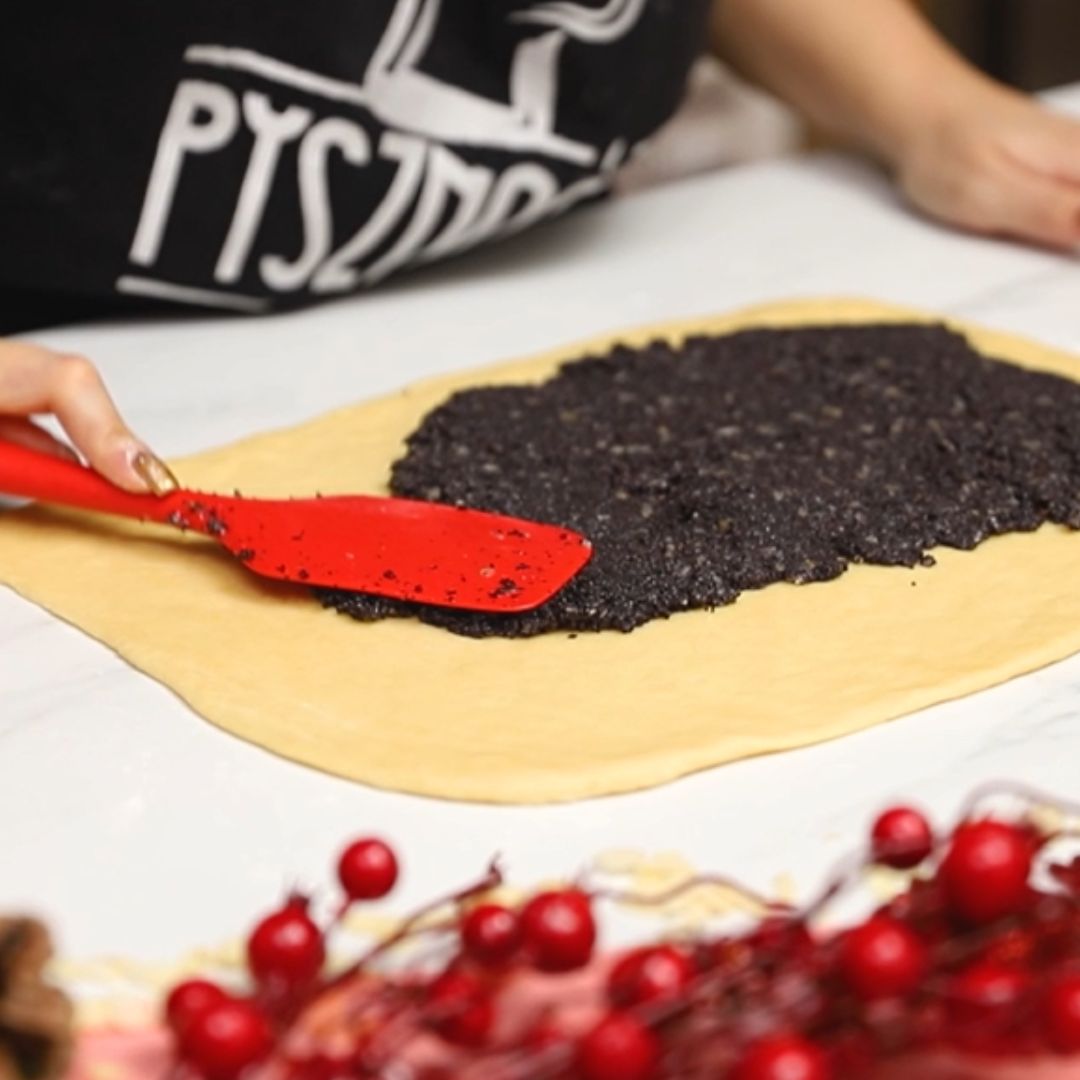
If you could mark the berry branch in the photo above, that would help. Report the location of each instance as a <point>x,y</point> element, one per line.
<point>979,954</point>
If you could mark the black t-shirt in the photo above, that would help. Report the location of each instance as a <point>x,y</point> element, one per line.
<point>247,155</point>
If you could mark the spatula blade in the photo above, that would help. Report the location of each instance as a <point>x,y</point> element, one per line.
<point>428,553</point>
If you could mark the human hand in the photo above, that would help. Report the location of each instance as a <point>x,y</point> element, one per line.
<point>966,149</point>
<point>34,380</point>
<point>997,162</point>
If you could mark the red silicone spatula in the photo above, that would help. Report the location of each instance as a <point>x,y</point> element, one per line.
<point>426,552</point>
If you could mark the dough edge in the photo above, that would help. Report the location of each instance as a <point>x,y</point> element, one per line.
<point>473,725</point>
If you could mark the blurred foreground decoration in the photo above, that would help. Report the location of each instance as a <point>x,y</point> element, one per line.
<point>35,1018</point>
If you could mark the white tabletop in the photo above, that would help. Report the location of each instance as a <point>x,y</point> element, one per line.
<point>141,830</point>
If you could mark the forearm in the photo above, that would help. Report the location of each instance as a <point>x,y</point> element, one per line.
<point>871,71</point>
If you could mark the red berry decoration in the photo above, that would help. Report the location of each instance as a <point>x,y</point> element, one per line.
<point>226,1039</point>
<point>784,1057</point>
<point>544,1034</point>
<point>853,1052</point>
<point>1067,874</point>
<point>1061,1014</point>
<point>491,935</point>
<point>973,961</point>
<point>985,1006</point>
<point>327,1066</point>
<point>986,991</point>
<point>559,930</point>
<point>901,838</point>
<point>883,958</point>
<point>619,1047</point>
<point>188,1000</point>
<point>367,870</point>
<point>782,937</point>
<point>985,872</point>
<point>1013,947</point>
<point>461,1009</point>
<point>287,948</point>
<point>645,975</point>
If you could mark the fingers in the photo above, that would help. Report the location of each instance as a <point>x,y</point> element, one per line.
<point>1051,146</point>
<point>994,194</point>
<point>1001,165</point>
<point>1037,208</point>
<point>1043,164</point>
<point>35,380</point>
<point>15,429</point>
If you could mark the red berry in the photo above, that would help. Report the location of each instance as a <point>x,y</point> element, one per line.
<point>647,975</point>
<point>559,930</point>
<point>461,1009</point>
<point>783,941</point>
<point>783,1057</point>
<point>901,838</point>
<point>883,958</point>
<point>619,1047</point>
<point>287,948</point>
<point>986,1006</point>
<point>1013,947</point>
<point>1052,919</point>
<point>929,1022</point>
<point>327,1065</point>
<point>923,904</point>
<point>491,935</point>
<point>1061,1014</point>
<point>224,1040</point>
<point>368,870</point>
<point>188,1000</point>
<point>781,936</point>
<point>852,1052</point>
<point>985,872</point>
<point>544,1034</point>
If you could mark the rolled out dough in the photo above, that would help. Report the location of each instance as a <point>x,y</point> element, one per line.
<point>402,705</point>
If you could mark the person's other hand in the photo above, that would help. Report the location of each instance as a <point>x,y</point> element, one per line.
<point>999,163</point>
<point>36,381</point>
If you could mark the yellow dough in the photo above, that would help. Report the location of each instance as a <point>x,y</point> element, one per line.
<point>407,706</point>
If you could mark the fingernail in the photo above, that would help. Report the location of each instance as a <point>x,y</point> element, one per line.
<point>153,472</point>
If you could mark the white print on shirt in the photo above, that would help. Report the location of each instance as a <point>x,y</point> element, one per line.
<point>422,116</point>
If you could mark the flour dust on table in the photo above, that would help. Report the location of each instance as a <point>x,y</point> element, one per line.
<point>729,463</point>
<point>557,716</point>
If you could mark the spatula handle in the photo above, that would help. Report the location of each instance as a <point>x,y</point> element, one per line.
<point>34,475</point>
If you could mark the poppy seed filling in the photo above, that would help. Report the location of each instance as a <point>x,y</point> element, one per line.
<point>731,462</point>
